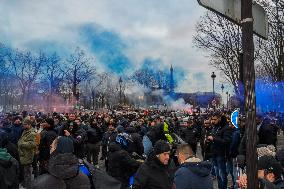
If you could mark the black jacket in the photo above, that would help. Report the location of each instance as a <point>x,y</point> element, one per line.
<point>47,136</point>
<point>95,134</point>
<point>205,144</point>
<point>120,165</point>
<point>79,138</point>
<point>136,145</point>
<point>194,175</point>
<point>108,138</point>
<point>153,175</point>
<point>63,173</point>
<point>222,136</point>
<point>190,134</point>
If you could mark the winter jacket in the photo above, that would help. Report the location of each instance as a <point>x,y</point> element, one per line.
<point>47,136</point>
<point>222,136</point>
<point>9,171</point>
<point>26,146</point>
<point>205,144</point>
<point>79,138</point>
<point>120,165</point>
<point>137,145</point>
<point>190,134</point>
<point>16,133</point>
<point>153,175</point>
<point>63,174</point>
<point>95,134</point>
<point>194,174</point>
<point>108,138</point>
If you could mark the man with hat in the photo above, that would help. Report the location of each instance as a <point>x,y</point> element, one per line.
<point>26,148</point>
<point>154,173</point>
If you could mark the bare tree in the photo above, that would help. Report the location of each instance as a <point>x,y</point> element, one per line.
<point>222,39</point>
<point>79,69</point>
<point>26,69</point>
<point>271,56</point>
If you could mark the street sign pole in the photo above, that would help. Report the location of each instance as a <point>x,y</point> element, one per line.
<point>249,82</point>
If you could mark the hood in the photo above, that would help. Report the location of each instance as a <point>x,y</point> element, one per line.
<point>4,155</point>
<point>63,166</point>
<point>202,169</point>
<point>5,158</point>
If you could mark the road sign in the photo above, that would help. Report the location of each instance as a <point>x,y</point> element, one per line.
<point>235,118</point>
<point>231,9</point>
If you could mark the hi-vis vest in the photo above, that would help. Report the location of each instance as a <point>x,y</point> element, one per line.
<point>167,133</point>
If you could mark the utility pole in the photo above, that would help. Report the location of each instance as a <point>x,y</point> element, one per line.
<point>249,84</point>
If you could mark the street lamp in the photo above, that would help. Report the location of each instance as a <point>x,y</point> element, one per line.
<point>227,93</point>
<point>120,83</point>
<point>222,87</point>
<point>213,76</point>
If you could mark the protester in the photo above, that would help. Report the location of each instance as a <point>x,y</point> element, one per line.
<point>26,147</point>
<point>63,169</point>
<point>154,173</point>
<point>9,166</point>
<point>220,138</point>
<point>94,135</point>
<point>47,136</point>
<point>193,173</point>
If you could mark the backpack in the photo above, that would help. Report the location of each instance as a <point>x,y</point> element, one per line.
<point>99,179</point>
<point>124,139</point>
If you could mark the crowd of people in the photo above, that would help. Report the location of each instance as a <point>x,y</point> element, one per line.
<point>137,149</point>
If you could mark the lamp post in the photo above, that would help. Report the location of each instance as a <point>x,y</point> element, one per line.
<point>227,93</point>
<point>120,83</point>
<point>222,87</point>
<point>213,76</point>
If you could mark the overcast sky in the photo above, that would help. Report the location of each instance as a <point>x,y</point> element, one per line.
<point>124,32</point>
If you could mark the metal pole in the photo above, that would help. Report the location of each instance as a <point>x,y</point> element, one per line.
<point>213,88</point>
<point>249,82</point>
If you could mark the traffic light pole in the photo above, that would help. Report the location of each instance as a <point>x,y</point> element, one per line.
<point>250,100</point>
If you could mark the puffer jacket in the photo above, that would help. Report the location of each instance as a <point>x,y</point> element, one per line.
<point>27,146</point>
<point>63,173</point>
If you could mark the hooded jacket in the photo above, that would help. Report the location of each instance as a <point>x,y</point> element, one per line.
<point>9,171</point>
<point>153,175</point>
<point>63,174</point>
<point>197,171</point>
<point>120,165</point>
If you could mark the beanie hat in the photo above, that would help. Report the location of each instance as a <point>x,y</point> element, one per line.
<point>161,147</point>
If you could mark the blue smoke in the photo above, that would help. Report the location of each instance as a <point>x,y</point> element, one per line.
<point>107,46</point>
<point>269,96</point>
